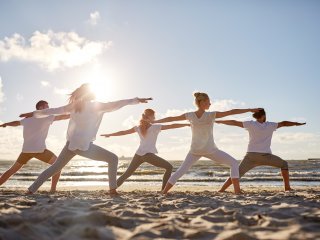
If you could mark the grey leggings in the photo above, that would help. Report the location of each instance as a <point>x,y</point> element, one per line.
<point>94,152</point>
<point>149,158</point>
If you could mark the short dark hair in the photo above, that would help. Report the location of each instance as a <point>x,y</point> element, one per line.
<point>259,114</point>
<point>40,104</point>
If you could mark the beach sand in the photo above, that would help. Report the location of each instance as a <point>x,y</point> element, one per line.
<point>188,212</point>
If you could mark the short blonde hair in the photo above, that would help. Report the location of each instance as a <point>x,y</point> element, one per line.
<point>200,96</point>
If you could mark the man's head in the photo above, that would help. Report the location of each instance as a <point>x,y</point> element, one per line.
<point>42,105</point>
<point>260,116</point>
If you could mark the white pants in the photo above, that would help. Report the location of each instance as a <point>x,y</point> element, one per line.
<point>217,156</point>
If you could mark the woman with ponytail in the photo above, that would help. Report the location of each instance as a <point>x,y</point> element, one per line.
<point>202,140</point>
<point>147,150</point>
<point>85,118</point>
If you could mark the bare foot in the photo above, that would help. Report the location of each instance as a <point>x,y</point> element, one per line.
<point>113,192</point>
<point>238,192</point>
<point>221,191</point>
<point>289,190</point>
<point>29,192</point>
<point>53,191</point>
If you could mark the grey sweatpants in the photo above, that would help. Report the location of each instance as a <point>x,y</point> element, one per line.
<point>149,158</point>
<point>94,152</point>
<point>252,160</point>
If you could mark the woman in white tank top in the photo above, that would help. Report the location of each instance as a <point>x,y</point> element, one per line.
<point>147,150</point>
<point>202,140</point>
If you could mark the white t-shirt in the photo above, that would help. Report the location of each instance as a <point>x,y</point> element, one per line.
<point>148,142</point>
<point>260,135</point>
<point>202,133</point>
<point>35,132</point>
<point>84,125</point>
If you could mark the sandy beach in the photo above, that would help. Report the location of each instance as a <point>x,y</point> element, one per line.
<point>186,213</point>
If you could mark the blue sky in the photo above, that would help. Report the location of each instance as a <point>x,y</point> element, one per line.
<point>242,53</point>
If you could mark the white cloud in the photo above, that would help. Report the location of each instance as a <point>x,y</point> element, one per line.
<point>295,137</point>
<point>45,83</point>
<point>1,91</point>
<point>10,142</point>
<point>61,91</point>
<point>51,50</point>
<point>19,97</point>
<point>226,104</point>
<point>130,122</point>
<point>94,18</point>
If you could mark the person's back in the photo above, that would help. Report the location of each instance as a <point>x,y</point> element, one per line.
<point>148,141</point>
<point>260,135</point>
<point>35,132</point>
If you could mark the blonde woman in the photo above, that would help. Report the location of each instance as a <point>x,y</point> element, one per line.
<point>147,150</point>
<point>202,140</point>
<point>85,118</point>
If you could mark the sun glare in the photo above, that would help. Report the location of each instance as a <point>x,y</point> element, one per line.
<point>102,88</point>
<point>101,84</point>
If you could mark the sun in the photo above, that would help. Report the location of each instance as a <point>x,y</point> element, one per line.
<point>102,88</point>
<point>101,83</point>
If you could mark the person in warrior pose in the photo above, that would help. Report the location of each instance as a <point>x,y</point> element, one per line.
<point>259,150</point>
<point>202,140</point>
<point>35,132</point>
<point>147,150</point>
<point>85,118</point>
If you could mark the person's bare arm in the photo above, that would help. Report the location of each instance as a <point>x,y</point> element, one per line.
<point>49,111</point>
<point>171,119</point>
<point>289,124</point>
<point>120,133</point>
<point>172,126</point>
<point>236,111</point>
<point>62,117</point>
<point>231,123</point>
<point>11,124</point>
<point>113,106</point>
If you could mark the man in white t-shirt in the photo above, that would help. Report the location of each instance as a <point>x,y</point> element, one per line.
<point>35,132</point>
<point>259,148</point>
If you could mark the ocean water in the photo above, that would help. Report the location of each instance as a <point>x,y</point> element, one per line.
<point>79,172</point>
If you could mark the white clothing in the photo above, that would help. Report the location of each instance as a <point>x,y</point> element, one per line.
<point>260,135</point>
<point>84,125</point>
<point>217,156</point>
<point>202,133</point>
<point>35,132</point>
<point>148,142</point>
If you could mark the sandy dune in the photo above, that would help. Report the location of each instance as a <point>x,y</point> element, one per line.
<point>258,214</point>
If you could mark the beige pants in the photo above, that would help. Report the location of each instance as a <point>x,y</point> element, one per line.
<point>150,158</point>
<point>252,160</point>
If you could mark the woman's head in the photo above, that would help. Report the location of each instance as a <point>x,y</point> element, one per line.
<point>147,117</point>
<point>81,95</point>
<point>260,116</point>
<point>202,100</point>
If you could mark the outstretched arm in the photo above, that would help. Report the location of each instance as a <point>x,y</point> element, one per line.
<point>113,106</point>
<point>171,119</point>
<point>236,111</point>
<point>120,133</point>
<point>172,126</point>
<point>231,123</point>
<point>49,111</point>
<point>289,124</point>
<point>11,124</point>
<point>62,117</point>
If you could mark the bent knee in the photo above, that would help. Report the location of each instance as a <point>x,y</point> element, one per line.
<point>285,165</point>
<point>115,159</point>
<point>235,164</point>
<point>169,167</point>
